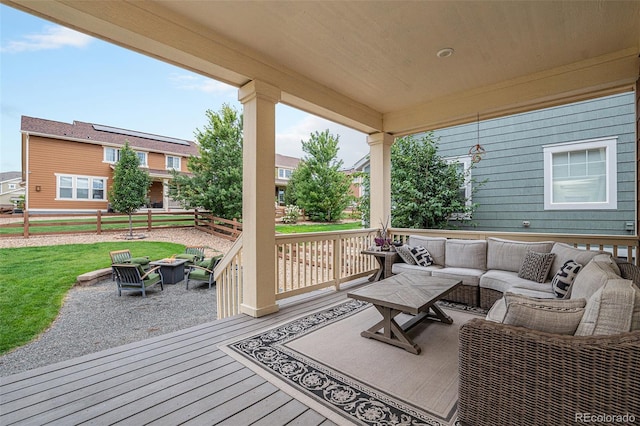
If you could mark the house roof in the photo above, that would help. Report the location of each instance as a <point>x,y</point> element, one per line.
<point>107,135</point>
<point>5,176</point>
<point>373,65</point>
<point>287,162</point>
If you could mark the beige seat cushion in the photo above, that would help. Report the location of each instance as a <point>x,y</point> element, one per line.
<point>557,316</point>
<point>508,255</point>
<point>435,246</point>
<point>593,276</point>
<point>609,310</point>
<point>466,254</point>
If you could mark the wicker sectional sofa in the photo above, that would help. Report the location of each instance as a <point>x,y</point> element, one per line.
<point>488,268</point>
<point>510,374</point>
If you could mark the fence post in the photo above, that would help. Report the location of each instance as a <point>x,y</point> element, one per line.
<point>25,224</point>
<point>99,222</point>
<point>149,220</point>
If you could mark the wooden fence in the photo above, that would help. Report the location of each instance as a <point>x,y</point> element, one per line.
<point>99,223</point>
<point>229,229</point>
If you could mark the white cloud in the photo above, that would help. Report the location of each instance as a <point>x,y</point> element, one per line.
<point>353,144</point>
<point>52,37</point>
<point>201,84</point>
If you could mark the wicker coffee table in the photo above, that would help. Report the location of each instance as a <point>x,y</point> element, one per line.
<point>410,293</point>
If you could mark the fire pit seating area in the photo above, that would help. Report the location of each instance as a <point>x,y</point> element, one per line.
<point>557,349</point>
<point>489,268</point>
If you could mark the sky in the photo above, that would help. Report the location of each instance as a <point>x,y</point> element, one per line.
<point>54,73</point>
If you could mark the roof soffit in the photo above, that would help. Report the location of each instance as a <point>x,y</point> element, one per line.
<point>362,63</point>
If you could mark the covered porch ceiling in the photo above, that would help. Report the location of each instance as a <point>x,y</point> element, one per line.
<point>372,65</point>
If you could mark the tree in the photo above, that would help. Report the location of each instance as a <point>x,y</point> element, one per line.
<point>321,189</point>
<point>425,189</point>
<point>130,184</point>
<point>216,181</point>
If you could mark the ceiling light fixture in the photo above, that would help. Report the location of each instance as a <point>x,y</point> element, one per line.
<point>444,53</point>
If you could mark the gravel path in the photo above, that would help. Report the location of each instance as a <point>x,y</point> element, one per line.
<point>94,318</point>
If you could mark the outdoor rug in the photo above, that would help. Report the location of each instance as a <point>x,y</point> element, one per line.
<point>321,360</point>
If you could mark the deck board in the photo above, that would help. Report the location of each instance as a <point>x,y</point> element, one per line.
<point>179,377</point>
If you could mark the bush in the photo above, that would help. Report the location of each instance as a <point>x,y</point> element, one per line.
<point>291,214</point>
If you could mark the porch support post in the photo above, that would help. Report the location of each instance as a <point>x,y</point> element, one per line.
<point>380,178</point>
<point>258,214</point>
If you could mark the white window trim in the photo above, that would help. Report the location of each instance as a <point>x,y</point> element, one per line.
<point>104,156</point>
<point>75,187</point>
<point>166,162</point>
<point>146,158</point>
<point>282,173</point>
<point>466,161</point>
<point>610,144</point>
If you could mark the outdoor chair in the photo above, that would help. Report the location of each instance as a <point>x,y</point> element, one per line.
<point>203,272</point>
<point>124,256</point>
<point>193,254</point>
<point>131,277</point>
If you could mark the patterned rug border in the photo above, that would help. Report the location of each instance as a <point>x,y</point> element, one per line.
<point>354,401</point>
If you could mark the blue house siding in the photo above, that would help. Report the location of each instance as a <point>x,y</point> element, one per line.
<point>514,165</point>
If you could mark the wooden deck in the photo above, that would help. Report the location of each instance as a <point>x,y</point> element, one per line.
<point>177,378</point>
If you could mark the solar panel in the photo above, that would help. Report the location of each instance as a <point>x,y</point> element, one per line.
<point>143,135</point>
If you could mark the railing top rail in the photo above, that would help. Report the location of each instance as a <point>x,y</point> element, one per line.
<point>323,235</point>
<point>228,257</point>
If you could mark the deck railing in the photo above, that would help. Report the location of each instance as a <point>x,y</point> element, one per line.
<point>228,276</point>
<point>304,262</point>
<point>312,261</point>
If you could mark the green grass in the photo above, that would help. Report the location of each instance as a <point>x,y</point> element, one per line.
<point>35,280</point>
<point>317,227</point>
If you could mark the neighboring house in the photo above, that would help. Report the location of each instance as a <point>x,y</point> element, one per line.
<point>566,169</point>
<point>11,190</point>
<point>362,165</point>
<point>284,168</point>
<point>69,167</point>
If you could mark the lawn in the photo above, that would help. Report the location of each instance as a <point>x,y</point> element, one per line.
<point>317,227</point>
<point>35,280</point>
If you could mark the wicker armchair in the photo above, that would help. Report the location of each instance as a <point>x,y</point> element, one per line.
<point>512,375</point>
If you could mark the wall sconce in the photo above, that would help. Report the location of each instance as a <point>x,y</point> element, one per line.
<point>38,188</point>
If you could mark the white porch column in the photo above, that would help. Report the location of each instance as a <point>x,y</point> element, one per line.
<point>165,195</point>
<point>380,178</point>
<point>258,214</point>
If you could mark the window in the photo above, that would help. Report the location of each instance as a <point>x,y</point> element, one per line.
<point>13,186</point>
<point>463,165</point>
<point>581,175</point>
<point>142,158</point>
<point>81,187</point>
<point>111,155</point>
<point>173,162</point>
<point>284,173</point>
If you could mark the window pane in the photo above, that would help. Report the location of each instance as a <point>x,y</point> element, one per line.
<point>66,181</point>
<point>98,189</point>
<point>578,170</point>
<point>66,193</point>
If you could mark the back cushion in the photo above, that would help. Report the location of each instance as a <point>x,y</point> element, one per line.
<point>507,255</point>
<point>593,276</point>
<point>566,252</point>
<point>435,246</point>
<point>466,254</point>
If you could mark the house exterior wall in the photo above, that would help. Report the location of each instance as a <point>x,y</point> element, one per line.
<point>49,157</point>
<point>514,172</point>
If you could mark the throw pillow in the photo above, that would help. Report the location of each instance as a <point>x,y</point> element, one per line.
<point>535,266</point>
<point>609,310</point>
<point>563,279</point>
<point>421,256</point>
<point>547,315</point>
<point>404,252</point>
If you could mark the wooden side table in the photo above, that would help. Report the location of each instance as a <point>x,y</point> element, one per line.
<point>385,259</point>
